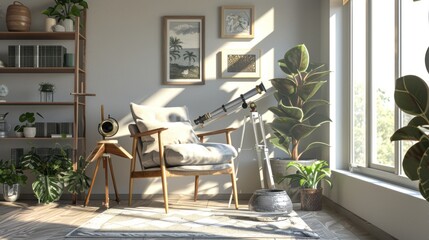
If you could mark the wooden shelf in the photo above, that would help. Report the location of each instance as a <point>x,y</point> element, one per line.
<point>39,36</point>
<point>38,138</point>
<point>39,70</point>
<point>38,103</point>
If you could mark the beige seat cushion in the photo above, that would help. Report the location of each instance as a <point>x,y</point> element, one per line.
<point>199,154</point>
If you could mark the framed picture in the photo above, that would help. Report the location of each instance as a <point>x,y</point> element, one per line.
<point>241,63</point>
<point>237,21</point>
<point>183,50</point>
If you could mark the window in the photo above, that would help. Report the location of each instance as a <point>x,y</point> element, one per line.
<point>388,39</point>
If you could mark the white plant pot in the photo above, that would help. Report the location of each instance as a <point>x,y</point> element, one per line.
<point>29,132</point>
<point>49,24</point>
<point>68,25</point>
<point>19,134</point>
<point>11,193</point>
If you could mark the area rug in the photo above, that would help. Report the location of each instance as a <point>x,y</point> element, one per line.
<point>147,222</point>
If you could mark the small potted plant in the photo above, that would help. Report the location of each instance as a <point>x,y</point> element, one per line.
<point>46,92</point>
<point>309,178</point>
<point>11,177</point>
<point>27,119</point>
<point>66,11</point>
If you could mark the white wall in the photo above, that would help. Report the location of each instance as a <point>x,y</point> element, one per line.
<point>124,65</point>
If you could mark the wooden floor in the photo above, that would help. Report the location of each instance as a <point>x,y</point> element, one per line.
<point>29,220</point>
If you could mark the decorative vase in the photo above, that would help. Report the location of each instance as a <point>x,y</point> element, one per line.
<point>18,17</point>
<point>68,25</point>
<point>11,193</point>
<point>270,200</point>
<point>311,199</point>
<point>29,132</point>
<point>49,24</point>
<point>278,167</point>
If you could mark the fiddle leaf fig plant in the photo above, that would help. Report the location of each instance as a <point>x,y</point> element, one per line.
<point>411,96</point>
<point>297,115</point>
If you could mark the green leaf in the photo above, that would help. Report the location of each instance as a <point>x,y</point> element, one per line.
<point>423,172</point>
<point>300,131</point>
<point>313,104</point>
<point>407,133</point>
<point>283,125</point>
<point>281,143</point>
<point>296,59</point>
<point>308,90</point>
<point>418,121</point>
<point>291,112</point>
<point>284,85</point>
<point>411,94</point>
<point>412,159</point>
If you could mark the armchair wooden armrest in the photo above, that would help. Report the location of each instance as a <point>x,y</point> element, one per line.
<point>227,132</point>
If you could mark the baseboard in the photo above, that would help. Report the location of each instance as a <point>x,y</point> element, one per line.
<point>360,222</point>
<point>124,197</point>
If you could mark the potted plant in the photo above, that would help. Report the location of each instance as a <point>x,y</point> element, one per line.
<point>309,179</point>
<point>66,11</point>
<point>411,96</point>
<point>28,119</point>
<point>54,172</point>
<point>46,92</point>
<point>11,177</point>
<point>297,113</point>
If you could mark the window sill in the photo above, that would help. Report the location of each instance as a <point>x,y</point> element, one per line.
<point>406,190</point>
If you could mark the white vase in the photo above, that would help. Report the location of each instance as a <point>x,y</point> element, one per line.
<point>29,132</point>
<point>68,25</point>
<point>11,193</point>
<point>49,23</point>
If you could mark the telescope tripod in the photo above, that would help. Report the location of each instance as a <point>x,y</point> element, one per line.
<point>263,158</point>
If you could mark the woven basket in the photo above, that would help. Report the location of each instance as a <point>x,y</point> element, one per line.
<point>18,17</point>
<point>311,199</point>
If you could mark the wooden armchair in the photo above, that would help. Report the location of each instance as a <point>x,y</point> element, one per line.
<point>166,146</point>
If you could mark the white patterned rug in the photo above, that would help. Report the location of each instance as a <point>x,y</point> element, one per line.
<point>147,222</point>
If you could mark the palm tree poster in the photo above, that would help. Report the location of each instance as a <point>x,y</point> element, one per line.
<point>183,56</point>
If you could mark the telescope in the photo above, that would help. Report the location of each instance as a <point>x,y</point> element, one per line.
<point>231,105</point>
<point>108,127</point>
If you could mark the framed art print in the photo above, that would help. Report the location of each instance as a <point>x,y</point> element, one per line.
<point>237,22</point>
<point>241,63</point>
<point>183,50</point>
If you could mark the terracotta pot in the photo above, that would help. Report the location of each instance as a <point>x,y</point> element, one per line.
<point>311,199</point>
<point>18,17</point>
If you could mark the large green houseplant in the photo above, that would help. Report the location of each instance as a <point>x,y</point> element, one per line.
<point>54,172</point>
<point>309,179</point>
<point>296,112</point>
<point>411,96</point>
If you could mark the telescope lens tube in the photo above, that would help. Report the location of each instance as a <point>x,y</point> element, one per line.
<point>108,127</point>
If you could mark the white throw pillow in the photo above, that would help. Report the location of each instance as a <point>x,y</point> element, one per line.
<point>177,133</point>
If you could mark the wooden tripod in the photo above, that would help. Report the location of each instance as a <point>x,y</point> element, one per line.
<point>103,151</point>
